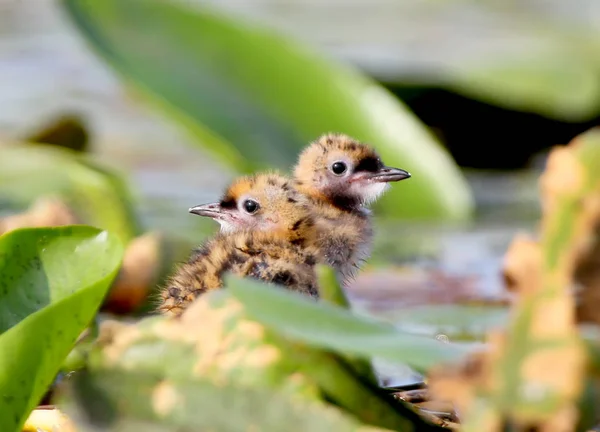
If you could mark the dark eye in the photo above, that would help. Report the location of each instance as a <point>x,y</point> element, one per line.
<point>250,206</point>
<point>338,168</point>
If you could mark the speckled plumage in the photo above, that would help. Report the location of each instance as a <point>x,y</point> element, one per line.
<point>338,203</point>
<point>281,254</point>
<point>344,239</point>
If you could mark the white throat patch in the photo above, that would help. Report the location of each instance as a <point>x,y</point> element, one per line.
<point>373,191</point>
<point>226,227</point>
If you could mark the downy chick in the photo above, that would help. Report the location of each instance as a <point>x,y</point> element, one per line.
<point>337,177</point>
<point>340,177</point>
<point>276,251</point>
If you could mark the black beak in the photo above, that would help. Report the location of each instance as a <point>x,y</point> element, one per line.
<point>211,210</point>
<point>387,174</point>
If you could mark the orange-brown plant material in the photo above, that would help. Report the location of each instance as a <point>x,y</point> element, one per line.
<point>533,371</point>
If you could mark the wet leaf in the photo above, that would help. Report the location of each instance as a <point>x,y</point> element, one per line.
<point>52,281</point>
<point>255,98</point>
<point>331,327</point>
<point>97,196</point>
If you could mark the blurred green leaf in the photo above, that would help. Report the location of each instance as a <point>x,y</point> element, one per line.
<point>332,327</point>
<point>118,401</point>
<point>330,288</point>
<point>454,320</point>
<point>255,98</point>
<point>331,291</point>
<point>98,196</point>
<point>214,341</point>
<point>557,85</point>
<point>52,281</point>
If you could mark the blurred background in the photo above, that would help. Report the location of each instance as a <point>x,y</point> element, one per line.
<point>176,98</point>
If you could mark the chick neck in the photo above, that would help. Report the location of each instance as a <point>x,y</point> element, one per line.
<point>331,198</point>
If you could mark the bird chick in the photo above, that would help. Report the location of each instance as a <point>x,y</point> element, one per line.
<point>337,177</point>
<point>340,177</point>
<point>275,246</point>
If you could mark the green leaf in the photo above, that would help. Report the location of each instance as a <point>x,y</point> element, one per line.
<point>214,341</point>
<point>366,402</point>
<point>562,86</point>
<point>52,281</point>
<point>98,196</point>
<point>330,288</point>
<point>332,327</point>
<point>457,321</point>
<point>140,401</point>
<point>255,98</point>
<point>331,291</point>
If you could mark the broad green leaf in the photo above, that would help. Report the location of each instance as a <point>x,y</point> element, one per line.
<point>255,98</point>
<point>215,341</point>
<point>52,281</point>
<point>118,401</point>
<point>98,197</point>
<point>328,326</point>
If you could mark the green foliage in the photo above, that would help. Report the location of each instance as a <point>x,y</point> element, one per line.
<point>129,401</point>
<point>457,321</point>
<point>334,328</point>
<point>52,281</point>
<point>239,371</point>
<point>98,196</point>
<point>255,98</point>
<point>544,82</point>
<point>331,291</point>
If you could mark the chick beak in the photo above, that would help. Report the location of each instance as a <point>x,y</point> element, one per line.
<point>388,174</point>
<point>212,210</point>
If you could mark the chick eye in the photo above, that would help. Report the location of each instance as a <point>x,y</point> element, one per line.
<point>338,168</point>
<point>250,206</point>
